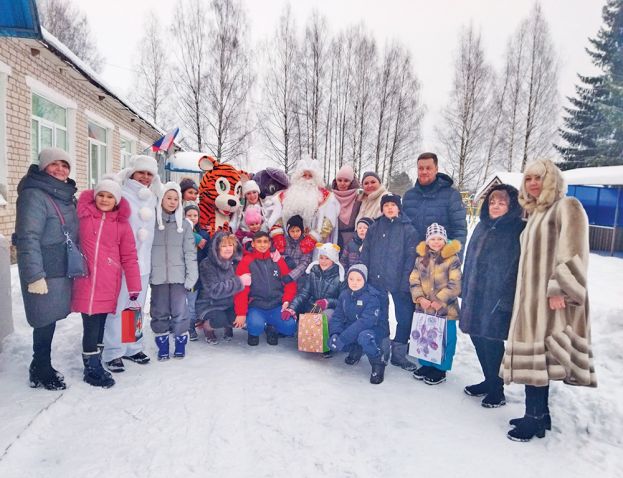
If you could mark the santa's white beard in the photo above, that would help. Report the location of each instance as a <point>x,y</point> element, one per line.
<point>301,198</point>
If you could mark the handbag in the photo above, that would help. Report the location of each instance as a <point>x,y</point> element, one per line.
<point>76,262</point>
<point>131,323</point>
<point>428,337</point>
<point>313,335</point>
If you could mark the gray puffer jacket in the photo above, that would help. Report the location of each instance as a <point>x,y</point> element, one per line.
<point>219,282</point>
<point>173,254</point>
<point>40,243</point>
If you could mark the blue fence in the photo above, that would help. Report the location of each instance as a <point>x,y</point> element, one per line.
<point>600,203</point>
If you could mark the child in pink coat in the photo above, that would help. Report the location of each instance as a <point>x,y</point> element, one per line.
<point>107,242</point>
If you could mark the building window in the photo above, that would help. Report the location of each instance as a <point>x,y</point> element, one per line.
<point>49,126</point>
<point>128,148</point>
<point>98,153</point>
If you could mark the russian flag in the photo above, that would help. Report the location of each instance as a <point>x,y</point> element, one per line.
<point>165,142</point>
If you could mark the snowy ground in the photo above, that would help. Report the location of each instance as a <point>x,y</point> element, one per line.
<point>230,410</point>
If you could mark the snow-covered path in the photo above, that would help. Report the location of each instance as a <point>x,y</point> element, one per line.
<point>230,410</point>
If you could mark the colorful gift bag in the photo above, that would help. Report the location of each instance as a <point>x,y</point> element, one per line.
<point>131,324</point>
<point>313,333</point>
<point>428,337</point>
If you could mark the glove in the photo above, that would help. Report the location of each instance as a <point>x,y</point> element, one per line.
<point>287,314</point>
<point>134,296</point>
<point>38,287</point>
<point>275,256</point>
<point>335,343</point>
<point>322,304</point>
<point>245,279</point>
<point>308,244</point>
<point>286,279</point>
<point>279,241</point>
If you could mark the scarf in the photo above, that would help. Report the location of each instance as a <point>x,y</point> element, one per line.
<point>371,204</point>
<point>347,201</point>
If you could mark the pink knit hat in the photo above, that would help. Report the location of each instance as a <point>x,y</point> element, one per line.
<point>253,216</point>
<point>346,172</point>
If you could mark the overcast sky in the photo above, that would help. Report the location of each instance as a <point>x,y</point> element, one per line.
<point>429,28</point>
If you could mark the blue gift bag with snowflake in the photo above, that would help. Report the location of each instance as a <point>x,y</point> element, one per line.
<point>428,337</point>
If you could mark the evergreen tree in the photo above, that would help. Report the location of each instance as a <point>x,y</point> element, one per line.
<point>593,126</point>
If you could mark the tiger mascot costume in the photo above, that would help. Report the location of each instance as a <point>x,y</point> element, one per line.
<point>219,194</point>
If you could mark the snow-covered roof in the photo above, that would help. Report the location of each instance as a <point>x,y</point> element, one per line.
<point>503,177</point>
<point>185,162</point>
<point>601,176</point>
<point>95,78</point>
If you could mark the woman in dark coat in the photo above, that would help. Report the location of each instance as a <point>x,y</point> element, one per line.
<point>42,255</point>
<point>489,277</point>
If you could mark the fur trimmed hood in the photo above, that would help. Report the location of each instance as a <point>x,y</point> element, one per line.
<point>214,251</point>
<point>452,248</point>
<point>554,187</point>
<point>514,208</point>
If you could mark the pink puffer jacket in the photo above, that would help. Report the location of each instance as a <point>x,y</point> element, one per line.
<point>107,241</point>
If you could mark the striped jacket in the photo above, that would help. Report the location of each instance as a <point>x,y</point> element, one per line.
<point>545,344</point>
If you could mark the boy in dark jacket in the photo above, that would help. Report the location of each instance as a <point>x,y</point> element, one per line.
<point>219,284</point>
<point>325,278</point>
<point>262,304</point>
<point>352,251</point>
<point>202,241</point>
<point>389,254</point>
<point>359,323</point>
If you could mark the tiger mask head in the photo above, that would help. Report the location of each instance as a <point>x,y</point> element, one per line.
<point>219,194</point>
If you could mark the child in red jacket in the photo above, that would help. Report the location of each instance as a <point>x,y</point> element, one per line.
<point>262,305</point>
<point>107,241</point>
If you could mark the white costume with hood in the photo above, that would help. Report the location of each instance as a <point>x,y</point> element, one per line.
<point>142,202</point>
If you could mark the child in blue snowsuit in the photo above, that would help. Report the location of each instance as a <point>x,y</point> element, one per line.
<point>359,323</point>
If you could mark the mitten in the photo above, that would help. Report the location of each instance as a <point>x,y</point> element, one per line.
<point>286,314</point>
<point>335,343</point>
<point>38,287</point>
<point>279,241</point>
<point>308,244</point>
<point>134,296</point>
<point>322,303</point>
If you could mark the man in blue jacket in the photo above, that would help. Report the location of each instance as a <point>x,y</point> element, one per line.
<point>433,199</point>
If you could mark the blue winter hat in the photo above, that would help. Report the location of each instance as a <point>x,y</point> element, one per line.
<point>391,197</point>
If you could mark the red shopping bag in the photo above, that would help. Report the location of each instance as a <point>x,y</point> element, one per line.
<point>131,323</point>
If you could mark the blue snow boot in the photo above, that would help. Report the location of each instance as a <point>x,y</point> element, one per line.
<point>162,341</point>
<point>180,346</point>
<point>94,373</point>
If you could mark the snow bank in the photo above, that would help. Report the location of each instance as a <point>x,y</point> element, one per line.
<point>231,410</point>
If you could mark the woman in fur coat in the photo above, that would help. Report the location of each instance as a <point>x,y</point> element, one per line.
<point>549,336</point>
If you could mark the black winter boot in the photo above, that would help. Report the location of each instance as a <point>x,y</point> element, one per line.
<point>434,376</point>
<point>547,421</point>
<point>477,390</point>
<point>43,375</point>
<point>494,399</point>
<point>253,340</point>
<point>272,336</point>
<point>421,372</point>
<point>527,428</point>
<point>94,373</point>
<point>378,371</point>
<point>354,355</point>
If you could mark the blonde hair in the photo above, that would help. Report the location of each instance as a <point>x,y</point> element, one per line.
<point>554,187</point>
<point>228,240</point>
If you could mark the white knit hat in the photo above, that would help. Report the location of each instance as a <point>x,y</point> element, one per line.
<point>436,230</point>
<point>142,162</point>
<point>249,186</point>
<point>49,155</point>
<point>332,251</point>
<point>179,212</point>
<point>109,184</point>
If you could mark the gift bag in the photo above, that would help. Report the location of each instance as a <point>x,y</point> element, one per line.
<point>131,323</point>
<point>428,337</point>
<point>313,333</point>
